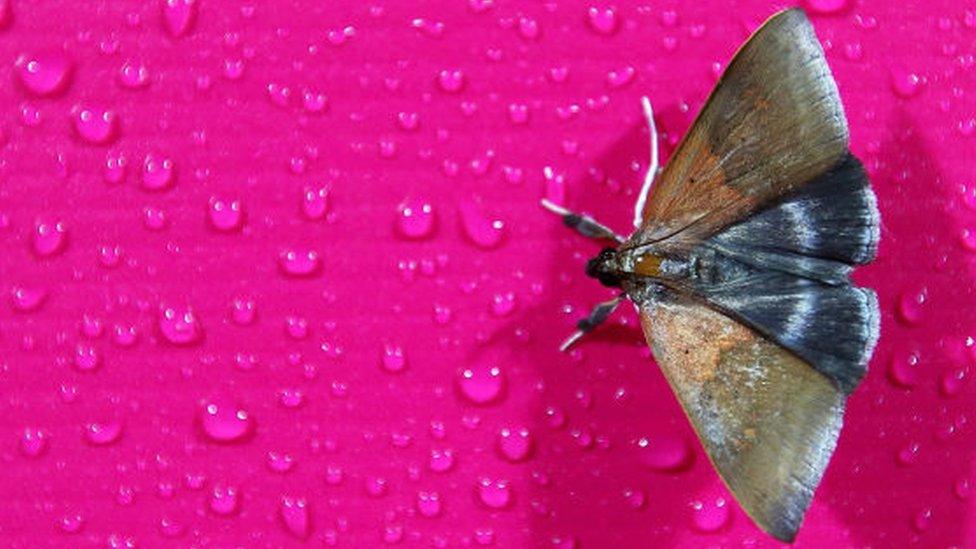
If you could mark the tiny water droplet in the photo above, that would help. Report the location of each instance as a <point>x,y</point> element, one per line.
<point>665,452</point>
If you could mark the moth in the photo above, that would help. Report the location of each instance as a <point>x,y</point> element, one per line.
<point>740,270</point>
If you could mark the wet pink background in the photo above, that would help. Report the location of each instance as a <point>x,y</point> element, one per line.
<point>275,272</point>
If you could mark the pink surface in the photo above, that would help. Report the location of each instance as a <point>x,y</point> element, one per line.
<point>275,272</point>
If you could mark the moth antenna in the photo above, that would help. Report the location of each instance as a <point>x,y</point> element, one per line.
<point>652,168</point>
<point>597,316</point>
<point>583,224</point>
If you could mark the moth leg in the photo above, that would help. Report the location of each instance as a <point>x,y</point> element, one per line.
<point>652,169</point>
<point>583,224</point>
<point>598,315</point>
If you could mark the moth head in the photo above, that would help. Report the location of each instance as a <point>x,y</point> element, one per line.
<point>604,268</point>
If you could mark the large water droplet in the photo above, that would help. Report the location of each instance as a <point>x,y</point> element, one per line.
<point>664,452</point>
<point>223,420</point>
<point>484,232</point>
<point>826,7</point>
<point>44,74</point>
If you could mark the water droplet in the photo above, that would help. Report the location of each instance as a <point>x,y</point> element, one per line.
<point>101,434</point>
<point>295,516</point>
<point>664,452</point>
<point>451,80</point>
<point>905,83</point>
<point>503,304</point>
<point>95,125</point>
<point>408,120</point>
<point>300,263</point>
<point>908,455</point>
<point>496,494</point>
<point>33,442</point>
<point>429,504</point>
<point>87,357</point>
<point>923,520</point>
<point>826,7</point>
<point>416,218</point>
<point>44,74</point>
<point>314,102</point>
<point>224,500</point>
<point>114,169</point>
<point>375,486</point>
<point>71,523</point>
<point>603,20</point>
<point>49,237</point>
<point>528,28</point>
<point>157,173</point>
<point>481,384</point>
<point>133,76</point>
<point>243,311</point>
<point>225,215</point>
<point>441,460</point>
<point>518,113</point>
<point>619,78</point>
<point>26,299</point>
<point>481,230</point>
<point>710,514</point>
<point>393,359</point>
<point>636,499</point>
<point>223,420</point>
<point>515,444</point>
<point>280,463</point>
<point>178,16</point>
<point>953,381</point>
<point>315,202</point>
<point>911,306</point>
<point>179,325</point>
<point>903,369</point>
